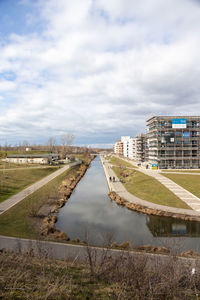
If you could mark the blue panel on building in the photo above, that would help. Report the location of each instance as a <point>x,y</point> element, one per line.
<point>179,121</point>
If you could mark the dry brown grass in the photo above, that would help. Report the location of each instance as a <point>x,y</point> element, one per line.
<point>33,278</point>
<point>140,277</point>
<point>102,277</point>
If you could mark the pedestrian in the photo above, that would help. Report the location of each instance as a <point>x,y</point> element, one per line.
<point>110,178</point>
<point>113,178</point>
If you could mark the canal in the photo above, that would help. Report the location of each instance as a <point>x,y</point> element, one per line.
<point>90,215</point>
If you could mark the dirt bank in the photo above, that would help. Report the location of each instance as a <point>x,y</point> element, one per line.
<point>48,228</point>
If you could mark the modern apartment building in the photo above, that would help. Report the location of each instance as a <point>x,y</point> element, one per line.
<point>126,144</point>
<point>132,148</point>
<point>140,146</point>
<point>173,141</point>
<point>118,147</point>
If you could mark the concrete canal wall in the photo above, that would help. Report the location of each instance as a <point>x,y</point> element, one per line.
<point>79,253</point>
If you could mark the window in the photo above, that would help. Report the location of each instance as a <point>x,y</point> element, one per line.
<point>178,133</point>
<point>186,142</point>
<point>194,124</point>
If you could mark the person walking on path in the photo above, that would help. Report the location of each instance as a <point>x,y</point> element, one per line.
<point>110,178</point>
<point>113,178</point>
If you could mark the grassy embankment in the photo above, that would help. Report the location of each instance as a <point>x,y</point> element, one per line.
<point>21,220</point>
<point>121,163</point>
<point>145,187</point>
<point>188,182</point>
<point>8,165</point>
<point>13,181</point>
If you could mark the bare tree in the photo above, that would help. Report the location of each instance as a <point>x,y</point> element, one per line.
<point>51,144</point>
<point>69,139</point>
<point>6,146</point>
<point>66,141</point>
<point>25,144</point>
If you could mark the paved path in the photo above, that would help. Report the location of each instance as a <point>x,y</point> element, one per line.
<point>5,205</point>
<point>118,187</point>
<point>191,200</point>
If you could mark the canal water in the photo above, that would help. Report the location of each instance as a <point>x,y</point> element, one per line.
<point>90,215</point>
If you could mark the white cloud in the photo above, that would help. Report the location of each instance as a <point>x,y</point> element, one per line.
<point>6,85</point>
<point>100,68</point>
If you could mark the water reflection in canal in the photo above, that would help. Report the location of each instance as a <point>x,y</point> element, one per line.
<point>90,211</point>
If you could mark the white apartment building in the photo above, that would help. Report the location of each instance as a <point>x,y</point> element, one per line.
<point>132,148</point>
<point>126,141</point>
<point>115,148</point>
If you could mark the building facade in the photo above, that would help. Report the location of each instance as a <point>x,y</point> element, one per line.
<point>126,141</point>
<point>118,147</point>
<point>140,146</point>
<point>132,148</point>
<point>173,141</point>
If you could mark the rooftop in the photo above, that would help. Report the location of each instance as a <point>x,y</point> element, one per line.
<point>172,117</point>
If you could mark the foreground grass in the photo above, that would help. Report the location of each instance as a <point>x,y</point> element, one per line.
<point>13,181</point>
<point>27,277</point>
<point>188,182</point>
<point>147,188</point>
<point>19,220</point>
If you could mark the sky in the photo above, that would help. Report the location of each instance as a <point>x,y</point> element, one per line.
<point>97,69</point>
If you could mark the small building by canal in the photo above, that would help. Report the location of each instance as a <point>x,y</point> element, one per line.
<point>42,159</point>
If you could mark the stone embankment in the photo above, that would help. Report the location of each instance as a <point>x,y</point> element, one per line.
<point>150,211</point>
<point>48,228</point>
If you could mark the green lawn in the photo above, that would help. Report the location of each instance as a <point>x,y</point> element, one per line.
<point>18,220</point>
<point>183,171</point>
<point>13,181</point>
<point>120,162</point>
<point>147,188</point>
<point>107,157</point>
<point>188,182</point>
<point>8,165</point>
